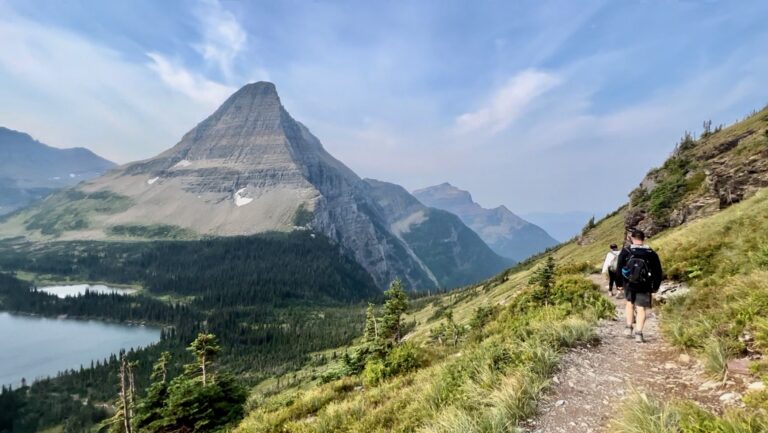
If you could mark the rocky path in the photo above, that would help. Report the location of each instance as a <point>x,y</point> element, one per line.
<point>593,381</point>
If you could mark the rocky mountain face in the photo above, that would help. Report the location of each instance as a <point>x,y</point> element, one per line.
<point>506,233</point>
<point>453,253</point>
<point>722,167</point>
<point>30,170</point>
<point>248,168</point>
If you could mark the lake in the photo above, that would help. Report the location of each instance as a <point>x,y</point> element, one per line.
<point>35,347</point>
<point>79,289</point>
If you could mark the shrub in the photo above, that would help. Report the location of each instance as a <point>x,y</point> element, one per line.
<point>571,267</point>
<point>374,372</point>
<point>403,358</point>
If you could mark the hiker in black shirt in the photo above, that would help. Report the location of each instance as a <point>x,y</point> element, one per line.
<point>639,273</point>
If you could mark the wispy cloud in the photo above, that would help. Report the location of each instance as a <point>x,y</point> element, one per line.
<point>189,83</point>
<point>222,40</point>
<point>223,36</point>
<point>508,102</point>
<point>69,91</point>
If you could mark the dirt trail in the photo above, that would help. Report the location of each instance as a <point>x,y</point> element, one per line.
<point>593,381</point>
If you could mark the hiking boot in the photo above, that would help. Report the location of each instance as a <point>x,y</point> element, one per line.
<point>639,337</point>
<point>628,331</point>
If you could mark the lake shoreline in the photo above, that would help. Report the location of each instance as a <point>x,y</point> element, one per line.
<point>160,326</point>
<point>40,346</point>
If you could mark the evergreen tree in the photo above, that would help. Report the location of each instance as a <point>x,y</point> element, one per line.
<point>192,402</point>
<point>371,327</point>
<point>149,410</point>
<point>544,276</point>
<point>394,308</point>
<point>205,348</point>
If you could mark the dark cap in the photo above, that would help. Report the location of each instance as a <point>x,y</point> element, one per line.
<point>614,246</point>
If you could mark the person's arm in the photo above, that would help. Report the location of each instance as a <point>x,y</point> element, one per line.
<point>620,262</point>
<point>607,263</point>
<point>658,272</point>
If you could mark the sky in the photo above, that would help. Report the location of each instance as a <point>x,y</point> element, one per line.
<point>545,107</point>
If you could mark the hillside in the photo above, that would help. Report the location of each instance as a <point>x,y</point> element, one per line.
<point>485,354</point>
<point>506,233</point>
<point>724,166</point>
<point>250,168</point>
<point>30,170</point>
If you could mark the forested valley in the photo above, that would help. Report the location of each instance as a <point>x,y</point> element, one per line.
<point>271,300</point>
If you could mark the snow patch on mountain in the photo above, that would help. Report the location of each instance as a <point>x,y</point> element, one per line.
<point>241,199</point>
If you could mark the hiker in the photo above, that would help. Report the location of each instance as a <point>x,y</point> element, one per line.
<point>609,267</point>
<point>639,273</point>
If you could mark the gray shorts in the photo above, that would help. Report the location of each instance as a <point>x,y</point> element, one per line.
<point>639,299</point>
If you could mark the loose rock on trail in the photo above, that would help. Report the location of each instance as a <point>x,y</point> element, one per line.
<point>594,380</point>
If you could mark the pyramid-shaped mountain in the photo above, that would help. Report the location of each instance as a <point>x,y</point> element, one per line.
<point>506,233</point>
<point>246,169</point>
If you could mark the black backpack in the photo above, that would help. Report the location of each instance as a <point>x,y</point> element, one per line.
<point>636,271</point>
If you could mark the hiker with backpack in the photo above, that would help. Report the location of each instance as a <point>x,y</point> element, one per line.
<point>609,268</point>
<point>639,273</point>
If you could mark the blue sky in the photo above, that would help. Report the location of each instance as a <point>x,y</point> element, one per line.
<point>542,106</point>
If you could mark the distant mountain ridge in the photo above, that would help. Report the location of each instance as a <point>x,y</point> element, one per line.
<point>31,170</point>
<point>251,168</point>
<point>506,233</point>
<point>434,235</point>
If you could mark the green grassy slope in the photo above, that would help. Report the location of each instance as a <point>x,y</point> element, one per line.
<point>473,386</point>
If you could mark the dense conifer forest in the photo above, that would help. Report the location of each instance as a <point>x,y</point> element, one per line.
<point>277,298</point>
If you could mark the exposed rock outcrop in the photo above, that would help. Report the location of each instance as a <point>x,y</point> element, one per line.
<point>703,176</point>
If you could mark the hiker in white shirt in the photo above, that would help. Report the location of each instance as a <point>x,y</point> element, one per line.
<point>609,268</point>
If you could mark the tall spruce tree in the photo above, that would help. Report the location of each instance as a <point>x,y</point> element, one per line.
<point>394,308</point>
<point>205,348</point>
<point>371,326</point>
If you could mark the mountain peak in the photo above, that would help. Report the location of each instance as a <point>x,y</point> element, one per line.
<point>506,233</point>
<point>259,89</point>
<point>445,192</point>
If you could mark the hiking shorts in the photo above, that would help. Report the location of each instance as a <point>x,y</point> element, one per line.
<point>639,299</point>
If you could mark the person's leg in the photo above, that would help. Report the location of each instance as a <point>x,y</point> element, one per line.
<point>640,322</point>
<point>629,312</point>
<point>643,301</point>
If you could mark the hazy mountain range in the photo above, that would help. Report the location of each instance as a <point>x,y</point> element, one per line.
<point>30,170</point>
<point>506,233</point>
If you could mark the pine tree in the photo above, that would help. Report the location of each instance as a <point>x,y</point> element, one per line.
<point>205,348</point>
<point>544,277</point>
<point>160,369</point>
<point>394,308</point>
<point>122,421</point>
<point>371,327</point>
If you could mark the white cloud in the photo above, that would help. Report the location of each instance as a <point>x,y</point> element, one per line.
<point>223,37</point>
<point>508,102</point>
<point>68,91</point>
<point>188,83</point>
